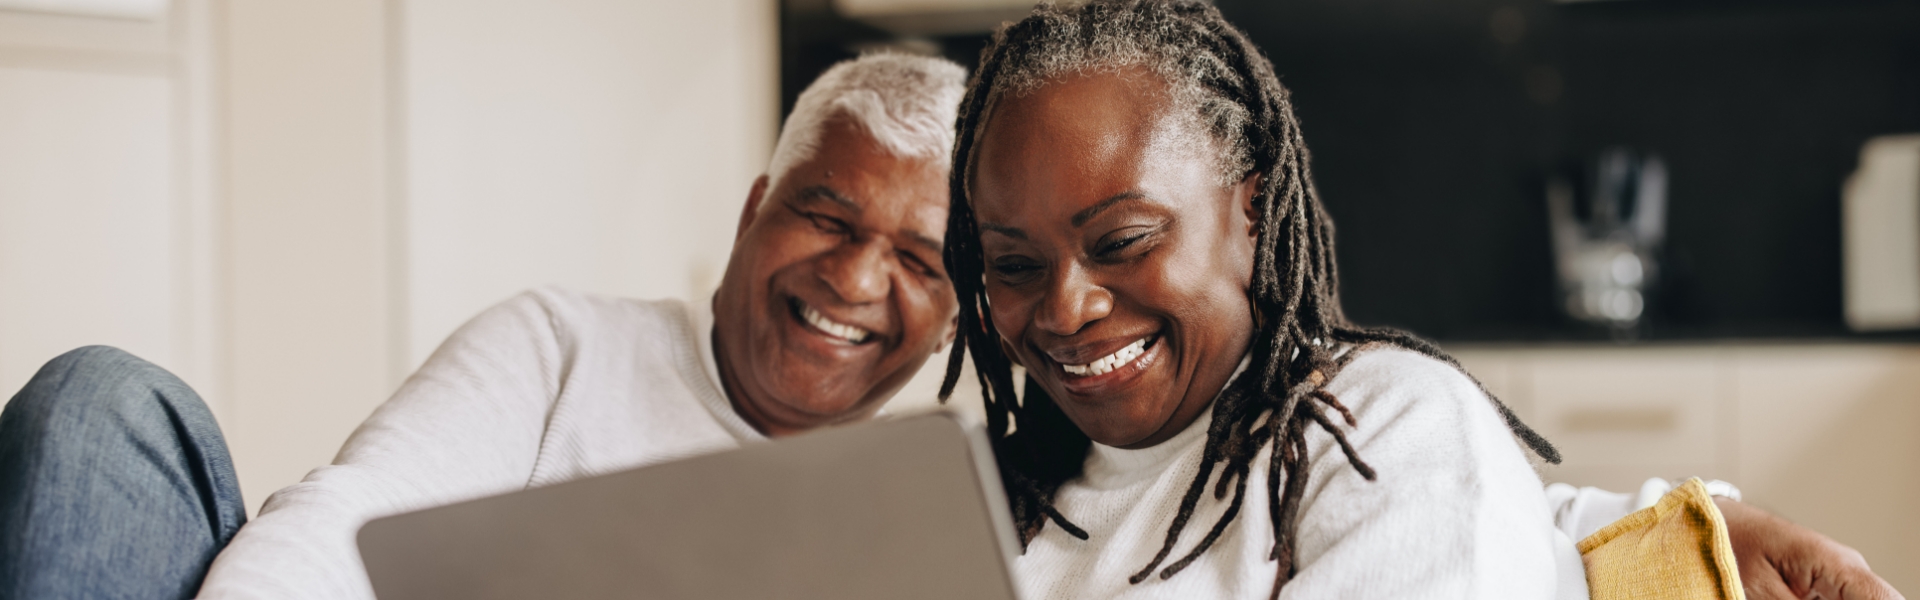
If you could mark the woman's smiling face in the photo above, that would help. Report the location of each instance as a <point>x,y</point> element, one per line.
<point>1117,264</point>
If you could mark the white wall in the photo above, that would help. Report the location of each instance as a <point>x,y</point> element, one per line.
<point>291,204</point>
<point>602,145</point>
<point>396,167</point>
<point>85,243</point>
<point>307,258</point>
<point>104,202</point>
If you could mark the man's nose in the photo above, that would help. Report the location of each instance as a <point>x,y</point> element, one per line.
<point>1073,300</point>
<point>858,272</point>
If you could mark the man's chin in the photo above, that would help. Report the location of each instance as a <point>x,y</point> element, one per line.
<point>813,410</point>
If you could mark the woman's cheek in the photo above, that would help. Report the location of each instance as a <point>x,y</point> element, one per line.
<point>1010,315</point>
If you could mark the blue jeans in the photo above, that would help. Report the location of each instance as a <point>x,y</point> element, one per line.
<point>114,482</point>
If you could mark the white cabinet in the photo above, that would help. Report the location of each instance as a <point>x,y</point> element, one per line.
<point>1823,434</point>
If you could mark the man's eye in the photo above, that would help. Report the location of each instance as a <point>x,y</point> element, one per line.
<point>913,262</point>
<point>828,224</point>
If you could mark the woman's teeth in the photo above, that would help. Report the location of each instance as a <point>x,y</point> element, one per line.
<point>1109,362</point>
<point>851,334</point>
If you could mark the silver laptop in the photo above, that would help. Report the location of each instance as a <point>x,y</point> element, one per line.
<point>905,508</point>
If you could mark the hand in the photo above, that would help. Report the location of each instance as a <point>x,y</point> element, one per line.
<point>1780,560</point>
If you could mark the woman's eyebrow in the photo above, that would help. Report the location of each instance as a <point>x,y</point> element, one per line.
<point>1012,232</point>
<point>1087,214</point>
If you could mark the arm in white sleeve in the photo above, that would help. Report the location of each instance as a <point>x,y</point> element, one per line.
<point>1579,512</point>
<point>469,423</point>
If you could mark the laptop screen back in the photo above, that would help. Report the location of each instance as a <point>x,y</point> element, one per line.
<point>890,509</point>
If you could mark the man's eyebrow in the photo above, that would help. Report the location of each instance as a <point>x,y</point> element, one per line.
<point>1087,214</point>
<point>820,192</point>
<point>925,241</point>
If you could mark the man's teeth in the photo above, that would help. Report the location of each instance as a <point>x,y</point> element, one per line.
<point>1109,362</point>
<point>842,331</point>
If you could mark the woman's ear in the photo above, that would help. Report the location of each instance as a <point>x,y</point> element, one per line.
<point>1243,193</point>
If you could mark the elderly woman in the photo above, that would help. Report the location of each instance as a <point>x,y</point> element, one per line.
<point>1135,224</point>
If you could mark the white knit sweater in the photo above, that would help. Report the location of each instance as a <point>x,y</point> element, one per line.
<point>543,388</point>
<point>1456,511</point>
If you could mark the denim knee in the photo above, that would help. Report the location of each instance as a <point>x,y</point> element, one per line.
<point>76,393</point>
<point>95,382</point>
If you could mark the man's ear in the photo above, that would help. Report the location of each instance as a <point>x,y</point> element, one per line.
<point>1243,193</point>
<point>752,209</point>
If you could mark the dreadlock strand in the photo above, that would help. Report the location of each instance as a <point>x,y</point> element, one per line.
<point>1220,526</point>
<point>1062,521</point>
<point>1327,398</point>
<point>1346,447</point>
<point>1187,504</point>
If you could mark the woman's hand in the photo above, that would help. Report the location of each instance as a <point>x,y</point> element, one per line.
<point>1780,560</point>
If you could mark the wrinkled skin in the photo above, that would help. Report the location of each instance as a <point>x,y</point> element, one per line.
<point>1780,560</point>
<point>1103,223</point>
<point>855,234</point>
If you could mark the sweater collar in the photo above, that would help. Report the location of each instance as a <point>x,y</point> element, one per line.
<point>1109,466</point>
<point>714,398</point>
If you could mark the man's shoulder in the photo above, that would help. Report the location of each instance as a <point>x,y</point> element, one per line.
<point>574,312</point>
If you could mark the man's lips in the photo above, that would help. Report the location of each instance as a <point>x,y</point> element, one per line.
<point>820,323</point>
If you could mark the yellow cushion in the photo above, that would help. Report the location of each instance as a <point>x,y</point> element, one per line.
<point>1675,549</point>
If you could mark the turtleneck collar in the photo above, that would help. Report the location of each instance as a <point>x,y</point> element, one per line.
<point>1109,467</point>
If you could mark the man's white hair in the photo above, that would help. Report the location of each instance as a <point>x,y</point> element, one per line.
<point>906,103</point>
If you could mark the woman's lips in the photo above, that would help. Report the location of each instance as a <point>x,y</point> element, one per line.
<point>1114,369</point>
<point>1108,363</point>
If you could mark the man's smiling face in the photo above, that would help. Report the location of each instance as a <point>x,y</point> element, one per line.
<point>835,294</point>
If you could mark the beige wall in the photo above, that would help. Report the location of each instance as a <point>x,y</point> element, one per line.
<point>105,206</point>
<point>1818,433</point>
<point>398,166</point>
<point>291,204</point>
<point>307,231</point>
<point>602,145</point>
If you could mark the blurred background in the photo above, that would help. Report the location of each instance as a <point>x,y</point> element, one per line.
<point>1681,237</point>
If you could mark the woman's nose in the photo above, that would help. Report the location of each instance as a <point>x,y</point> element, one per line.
<point>858,272</point>
<point>1073,300</point>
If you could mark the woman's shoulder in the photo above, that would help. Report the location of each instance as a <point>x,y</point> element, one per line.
<point>1388,377</point>
<point>1417,407</point>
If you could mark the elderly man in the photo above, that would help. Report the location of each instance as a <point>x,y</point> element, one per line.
<point>115,482</point>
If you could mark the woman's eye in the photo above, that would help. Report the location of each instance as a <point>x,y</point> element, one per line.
<point>1112,247</point>
<point>1012,271</point>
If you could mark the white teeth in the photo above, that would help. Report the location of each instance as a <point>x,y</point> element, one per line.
<point>1106,364</point>
<point>846,332</point>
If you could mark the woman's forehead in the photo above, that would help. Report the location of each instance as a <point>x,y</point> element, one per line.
<point>1084,137</point>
